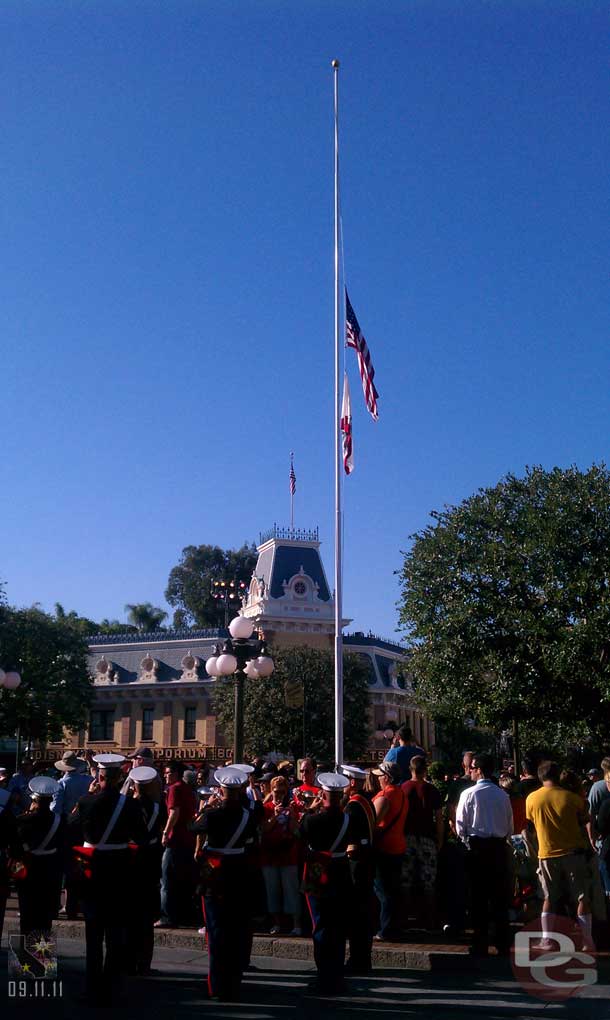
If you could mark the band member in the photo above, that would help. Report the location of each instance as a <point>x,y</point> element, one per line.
<point>224,834</point>
<point>327,834</point>
<point>362,869</point>
<point>105,823</point>
<point>41,834</point>
<point>9,848</point>
<point>146,904</point>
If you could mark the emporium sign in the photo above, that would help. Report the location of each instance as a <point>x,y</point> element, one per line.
<point>160,753</point>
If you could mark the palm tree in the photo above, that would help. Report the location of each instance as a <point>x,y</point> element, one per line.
<point>144,616</point>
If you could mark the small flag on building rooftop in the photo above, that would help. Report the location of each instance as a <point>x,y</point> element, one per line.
<point>346,428</point>
<point>355,339</point>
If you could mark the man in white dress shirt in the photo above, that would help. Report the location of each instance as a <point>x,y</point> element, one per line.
<point>484,821</point>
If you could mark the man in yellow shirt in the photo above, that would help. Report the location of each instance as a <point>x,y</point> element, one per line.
<point>559,818</point>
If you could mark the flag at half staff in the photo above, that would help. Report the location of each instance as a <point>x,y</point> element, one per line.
<point>346,428</point>
<point>355,339</point>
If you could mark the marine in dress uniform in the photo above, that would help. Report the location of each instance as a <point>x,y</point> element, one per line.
<point>146,871</point>
<point>9,848</point>
<point>41,833</point>
<point>106,823</point>
<point>362,869</point>
<point>327,882</point>
<point>224,835</point>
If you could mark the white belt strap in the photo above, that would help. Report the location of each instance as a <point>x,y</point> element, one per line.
<point>106,846</point>
<point>103,844</point>
<point>229,848</point>
<point>240,828</point>
<point>342,832</point>
<point>41,849</point>
<point>333,848</point>
<point>153,817</point>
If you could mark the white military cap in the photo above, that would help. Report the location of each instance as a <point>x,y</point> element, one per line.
<point>354,772</point>
<point>332,781</point>
<point>230,777</point>
<point>4,797</point>
<point>109,761</point>
<point>247,769</point>
<point>42,786</point>
<point>143,774</point>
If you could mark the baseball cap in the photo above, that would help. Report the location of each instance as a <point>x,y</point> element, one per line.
<point>389,769</point>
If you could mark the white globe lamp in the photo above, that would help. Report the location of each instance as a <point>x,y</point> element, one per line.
<point>226,664</point>
<point>264,665</point>
<point>12,680</point>
<point>211,667</point>
<point>251,671</point>
<point>241,628</point>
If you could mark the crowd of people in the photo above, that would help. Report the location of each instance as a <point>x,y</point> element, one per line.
<point>352,856</point>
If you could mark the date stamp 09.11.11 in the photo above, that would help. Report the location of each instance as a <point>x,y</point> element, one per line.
<point>33,968</point>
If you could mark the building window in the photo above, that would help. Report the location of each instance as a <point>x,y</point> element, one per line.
<point>101,725</point>
<point>148,715</point>
<point>190,718</point>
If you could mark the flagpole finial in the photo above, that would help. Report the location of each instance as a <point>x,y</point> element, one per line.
<point>335,64</point>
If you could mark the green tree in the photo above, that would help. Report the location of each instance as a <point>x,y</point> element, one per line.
<point>189,583</point>
<point>269,725</point>
<point>56,689</point>
<point>80,623</point>
<point>144,616</point>
<point>506,604</point>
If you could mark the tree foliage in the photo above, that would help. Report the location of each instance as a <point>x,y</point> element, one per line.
<point>189,583</point>
<point>506,605</point>
<point>56,689</point>
<point>144,616</point>
<point>269,725</point>
<point>83,625</point>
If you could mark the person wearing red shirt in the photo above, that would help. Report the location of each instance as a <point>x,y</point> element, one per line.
<point>307,792</point>
<point>279,856</point>
<point>391,810</point>
<point>177,868</point>
<point>424,835</point>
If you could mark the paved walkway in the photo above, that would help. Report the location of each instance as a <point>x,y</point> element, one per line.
<point>282,990</point>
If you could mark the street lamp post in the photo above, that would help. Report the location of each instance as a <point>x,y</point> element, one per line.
<point>10,682</point>
<point>240,657</point>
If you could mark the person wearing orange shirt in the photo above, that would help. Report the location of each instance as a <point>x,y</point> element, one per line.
<point>390,806</point>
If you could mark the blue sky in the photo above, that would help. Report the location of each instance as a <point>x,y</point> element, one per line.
<point>166,286</point>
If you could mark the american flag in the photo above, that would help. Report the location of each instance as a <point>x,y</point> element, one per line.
<point>293,479</point>
<point>355,339</point>
<point>346,428</point>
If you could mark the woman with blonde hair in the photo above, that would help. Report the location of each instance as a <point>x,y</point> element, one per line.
<point>279,856</point>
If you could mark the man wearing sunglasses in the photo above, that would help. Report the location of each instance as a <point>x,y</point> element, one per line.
<point>484,821</point>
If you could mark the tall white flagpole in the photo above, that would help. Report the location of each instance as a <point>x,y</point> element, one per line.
<point>338,512</point>
<point>291,492</point>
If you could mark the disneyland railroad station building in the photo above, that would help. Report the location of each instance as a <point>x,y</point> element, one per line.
<point>152,689</point>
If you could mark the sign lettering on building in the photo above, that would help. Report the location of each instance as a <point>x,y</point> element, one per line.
<point>159,753</point>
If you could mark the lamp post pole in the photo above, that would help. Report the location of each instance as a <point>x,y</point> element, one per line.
<point>240,658</point>
<point>11,681</point>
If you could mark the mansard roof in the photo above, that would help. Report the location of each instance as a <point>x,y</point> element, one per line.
<point>288,561</point>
